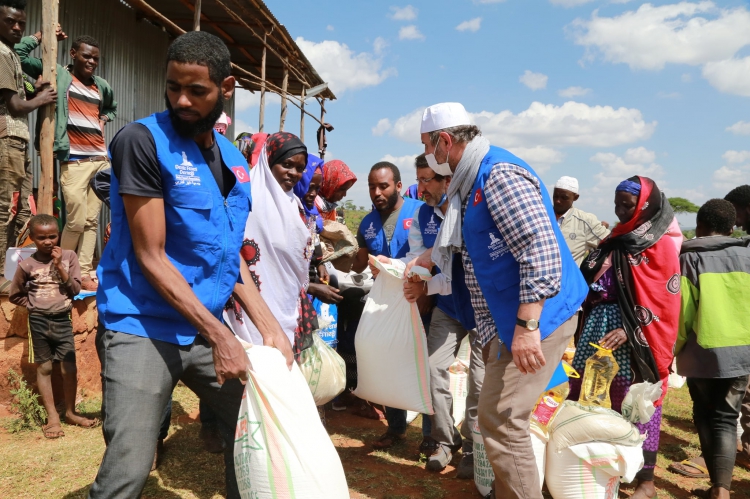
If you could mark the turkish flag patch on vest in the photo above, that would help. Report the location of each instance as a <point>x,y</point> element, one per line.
<point>241,174</point>
<point>478,196</point>
<point>407,223</point>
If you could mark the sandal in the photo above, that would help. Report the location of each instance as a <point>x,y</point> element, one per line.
<point>388,440</point>
<point>366,410</point>
<point>50,433</point>
<point>691,468</point>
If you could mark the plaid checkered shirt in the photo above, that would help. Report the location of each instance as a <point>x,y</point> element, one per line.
<point>515,202</point>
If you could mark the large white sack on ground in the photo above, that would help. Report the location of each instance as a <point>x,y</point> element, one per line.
<point>539,445</point>
<point>459,390</point>
<point>591,471</point>
<point>324,370</point>
<point>578,424</point>
<point>483,474</point>
<point>281,449</point>
<point>392,360</point>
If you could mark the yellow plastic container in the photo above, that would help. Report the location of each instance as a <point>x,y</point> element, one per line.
<point>551,400</point>
<point>601,369</point>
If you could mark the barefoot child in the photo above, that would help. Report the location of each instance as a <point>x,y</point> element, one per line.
<point>45,283</point>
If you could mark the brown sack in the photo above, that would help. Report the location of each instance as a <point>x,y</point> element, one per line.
<point>339,245</point>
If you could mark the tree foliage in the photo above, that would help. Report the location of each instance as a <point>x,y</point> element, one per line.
<point>682,205</point>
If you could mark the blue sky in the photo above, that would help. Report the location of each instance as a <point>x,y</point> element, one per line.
<point>596,89</point>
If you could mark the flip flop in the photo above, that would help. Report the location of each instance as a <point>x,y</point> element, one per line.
<point>689,468</point>
<point>95,423</point>
<point>48,433</point>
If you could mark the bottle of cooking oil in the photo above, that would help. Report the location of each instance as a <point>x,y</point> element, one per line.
<point>551,400</point>
<point>601,369</point>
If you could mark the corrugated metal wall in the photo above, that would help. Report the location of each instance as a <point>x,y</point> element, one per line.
<point>132,59</point>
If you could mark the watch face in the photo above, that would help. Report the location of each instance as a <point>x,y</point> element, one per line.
<point>532,324</point>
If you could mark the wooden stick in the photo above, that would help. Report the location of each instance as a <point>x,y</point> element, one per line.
<point>321,146</point>
<point>284,84</point>
<point>263,87</point>
<point>197,16</point>
<point>50,10</point>
<point>302,117</point>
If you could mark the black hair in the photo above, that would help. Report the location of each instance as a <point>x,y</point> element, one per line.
<point>421,162</point>
<point>393,168</point>
<point>717,215</point>
<point>14,4</point>
<point>41,220</point>
<point>739,195</point>
<point>204,49</point>
<point>84,40</point>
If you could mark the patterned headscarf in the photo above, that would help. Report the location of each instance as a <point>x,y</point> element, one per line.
<point>283,145</point>
<point>335,174</point>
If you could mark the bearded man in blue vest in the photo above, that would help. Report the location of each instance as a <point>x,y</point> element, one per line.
<point>385,232</point>
<point>523,282</point>
<point>179,198</point>
<point>451,321</point>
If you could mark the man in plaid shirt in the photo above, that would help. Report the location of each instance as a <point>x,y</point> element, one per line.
<point>523,281</point>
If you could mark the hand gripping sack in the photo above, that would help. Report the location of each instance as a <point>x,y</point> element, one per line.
<point>324,370</point>
<point>392,359</point>
<point>281,450</point>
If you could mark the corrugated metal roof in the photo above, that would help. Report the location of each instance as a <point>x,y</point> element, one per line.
<point>242,25</point>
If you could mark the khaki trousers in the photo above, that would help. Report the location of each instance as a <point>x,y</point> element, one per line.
<point>15,189</point>
<point>81,209</point>
<point>505,405</point>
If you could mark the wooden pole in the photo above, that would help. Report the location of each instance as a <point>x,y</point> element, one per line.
<point>47,113</point>
<point>263,87</point>
<point>321,146</point>
<point>284,85</point>
<point>302,117</point>
<point>197,16</point>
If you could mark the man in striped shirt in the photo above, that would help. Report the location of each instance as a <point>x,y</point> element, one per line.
<point>85,105</point>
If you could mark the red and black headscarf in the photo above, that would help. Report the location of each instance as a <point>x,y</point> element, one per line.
<point>283,145</point>
<point>645,259</point>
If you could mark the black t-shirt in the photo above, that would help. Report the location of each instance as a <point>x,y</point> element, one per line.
<point>135,164</point>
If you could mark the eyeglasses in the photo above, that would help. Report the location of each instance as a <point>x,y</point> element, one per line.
<point>425,180</point>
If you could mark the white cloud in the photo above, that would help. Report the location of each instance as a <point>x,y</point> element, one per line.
<point>379,45</point>
<point>734,157</point>
<point>241,126</point>
<point>383,126</point>
<point>731,76</point>
<point>403,163</point>
<point>540,158</point>
<point>472,25</point>
<point>408,13</point>
<point>329,27</point>
<point>614,168</point>
<point>244,99</point>
<point>569,3</point>
<point>342,68</point>
<point>535,81</point>
<point>651,37</point>
<point>729,177</point>
<point>571,124</point>
<point>573,92</point>
<point>740,128</point>
<point>410,32</point>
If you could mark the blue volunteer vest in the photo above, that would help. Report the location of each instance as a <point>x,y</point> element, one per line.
<point>203,239</point>
<point>457,305</point>
<point>497,271</point>
<point>371,229</point>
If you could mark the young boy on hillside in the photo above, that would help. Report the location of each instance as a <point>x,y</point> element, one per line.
<point>713,342</point>
<point>45,283</point>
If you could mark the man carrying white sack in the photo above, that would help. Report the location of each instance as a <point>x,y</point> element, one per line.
<point>582,231</point>
<point>523,281</point>
<point>452,320</point>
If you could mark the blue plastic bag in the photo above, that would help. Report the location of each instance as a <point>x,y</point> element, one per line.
<point>328,316</point>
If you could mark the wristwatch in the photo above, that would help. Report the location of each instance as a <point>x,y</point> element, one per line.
<point>531,324</point>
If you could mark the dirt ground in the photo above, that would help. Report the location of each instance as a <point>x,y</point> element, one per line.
<point>34,467</point>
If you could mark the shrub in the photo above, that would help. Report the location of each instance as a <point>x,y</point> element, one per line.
<point>25,404</point>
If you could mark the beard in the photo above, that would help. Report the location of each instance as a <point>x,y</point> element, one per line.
<point>392,200</point>
<point>203,125</point>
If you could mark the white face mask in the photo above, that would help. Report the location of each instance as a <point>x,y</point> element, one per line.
<point>439,168</point>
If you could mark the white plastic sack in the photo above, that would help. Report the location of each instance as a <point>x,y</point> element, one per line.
<point>675,380</point>
<point>324,370</point>
<point>539,444</point>
<point>592,470</point>
<point>578,424</point>
<point>483,474</point>
<point>13,257</point>
<point>459,391</point>
<point>281,449</point>
<point>392,359</point>
<point>638,404</point>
